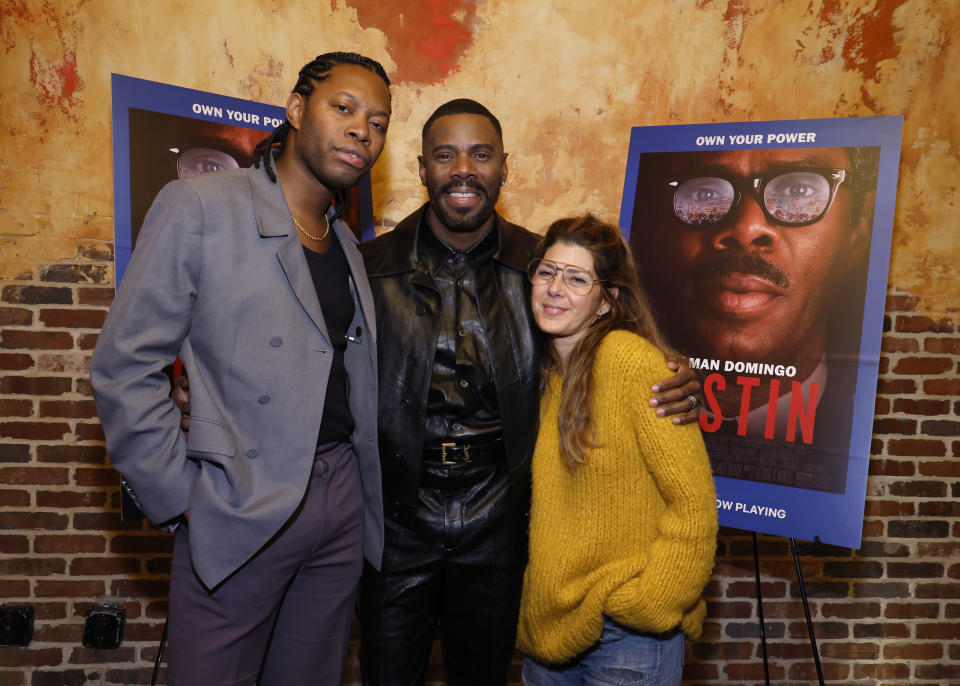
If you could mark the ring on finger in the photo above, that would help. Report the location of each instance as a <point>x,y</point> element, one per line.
<point>694,401</point>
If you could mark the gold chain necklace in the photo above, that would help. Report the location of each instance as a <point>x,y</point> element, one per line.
<point>309,235</point>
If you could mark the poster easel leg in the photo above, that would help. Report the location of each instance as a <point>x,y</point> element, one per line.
<point>797,551</point>
<point>763,627</point>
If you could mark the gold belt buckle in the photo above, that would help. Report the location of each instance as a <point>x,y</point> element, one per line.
<point>443,454</point>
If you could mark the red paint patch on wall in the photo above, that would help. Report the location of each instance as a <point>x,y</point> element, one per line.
<point>871,39</point>
<point>425,39</point>
<point>58,81</point>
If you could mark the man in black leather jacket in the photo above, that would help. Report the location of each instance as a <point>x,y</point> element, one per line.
<point>459,397</point>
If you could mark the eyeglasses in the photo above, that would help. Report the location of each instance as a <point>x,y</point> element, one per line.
<point>795,198</point>
<point>202,160</point>
<point>577,279</point>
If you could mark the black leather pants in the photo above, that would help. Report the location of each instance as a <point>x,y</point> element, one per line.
<point>462,566</point>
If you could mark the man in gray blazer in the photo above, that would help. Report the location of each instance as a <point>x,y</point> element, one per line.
<point>250,277</point>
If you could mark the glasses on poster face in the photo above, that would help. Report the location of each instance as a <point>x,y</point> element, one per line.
<point>577,279</point>
<point>202,160</point>
<point>795,198</point>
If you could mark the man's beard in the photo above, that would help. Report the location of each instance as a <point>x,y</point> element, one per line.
<point>469,220</point>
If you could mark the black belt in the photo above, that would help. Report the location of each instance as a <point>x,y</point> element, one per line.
<point>449,454</point>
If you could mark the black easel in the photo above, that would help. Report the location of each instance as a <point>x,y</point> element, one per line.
<point>797,551</point>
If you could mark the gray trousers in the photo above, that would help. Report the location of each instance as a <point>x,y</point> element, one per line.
<point>283,618</point>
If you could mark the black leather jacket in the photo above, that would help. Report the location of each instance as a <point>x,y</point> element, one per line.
<point>407,308</point>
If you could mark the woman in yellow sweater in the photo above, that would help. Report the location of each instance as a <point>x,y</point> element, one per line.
<point>623,519</point>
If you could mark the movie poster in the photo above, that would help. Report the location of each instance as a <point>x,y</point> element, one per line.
<point>764,248</point>
<point>163,132</point>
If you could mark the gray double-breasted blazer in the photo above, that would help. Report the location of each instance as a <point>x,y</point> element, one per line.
<point>219,277</point>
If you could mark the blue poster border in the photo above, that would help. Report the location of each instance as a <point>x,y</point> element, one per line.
<point>129,92</point>
<point>835,518</point>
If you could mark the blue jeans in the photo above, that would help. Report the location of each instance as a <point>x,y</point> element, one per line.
<point>622,656</point>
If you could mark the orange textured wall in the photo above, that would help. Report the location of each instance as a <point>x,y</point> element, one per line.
<point>568,79</point>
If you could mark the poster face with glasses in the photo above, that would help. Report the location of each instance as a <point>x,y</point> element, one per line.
<point>764,248</point>
<point>163,132</point>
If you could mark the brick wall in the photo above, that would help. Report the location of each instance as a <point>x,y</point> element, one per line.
<point>575,78</point>
<point>886,614</point>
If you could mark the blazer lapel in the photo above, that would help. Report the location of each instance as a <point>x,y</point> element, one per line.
<point>275,221</point>
<point>294,265</point>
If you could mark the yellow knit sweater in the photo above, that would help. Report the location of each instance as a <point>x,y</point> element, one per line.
<point>631,534</point>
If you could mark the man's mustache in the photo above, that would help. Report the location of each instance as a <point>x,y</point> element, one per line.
<point>729,262</point>
<point>465,183</point>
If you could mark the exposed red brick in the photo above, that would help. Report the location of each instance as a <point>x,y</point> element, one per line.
<point>14,452</point>
<point>87,341</point>
<point>9,588</point>
<point>902,303</point>
<point>922,324</point>
<point>15,316</point>
<point>918,489</point>
<point>104,521</point>
<point>42,476</point>
<point>14,498</point>
<point>939,508</point>
<point>896,386</point>
<point>892,467</point>
<point>86,656</point>
<point>71,543</point>
<point>916,447</point>
<point>15,362</point>
<point>14,544</point>
<point>942,386</point>
<point>32,520</point>
<point>76,273</point>
<point>921,406</point>
<point>923,366</point>
<point>36,340</point>
<point>29,657</point>
<point>71,499</point>
<point>893,344</point>
<point>912,651</point>
<point>32,566</point>
<point>892,425</point>
<point>34,430</point>
<point>912,610</point>
<point>81,409</point>
<point>881,406</point>
<point>853,570</point>
<point>91,476</point>
<point>929,591</point>
<point>150,588</point>
<point>95,296</point>
<point>941,672</point>
<point>35,385</point>
<point>940,427</point>
<point>950,346</point>
<point>945,468</point>
<point>37,295</point>
<point>15,408</point>
<point>150,543</point>
<point>89,432</point>
<point>104,566</point>
<point>46,588</point>
<point>73,319</point>
<point>86,454</point>
<point>918,529</point>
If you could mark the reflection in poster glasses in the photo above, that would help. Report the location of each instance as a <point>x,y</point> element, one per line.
<point>795,198</point>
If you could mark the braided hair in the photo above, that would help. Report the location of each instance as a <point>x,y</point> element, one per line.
<point>272,146</point>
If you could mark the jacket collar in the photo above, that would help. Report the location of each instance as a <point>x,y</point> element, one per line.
<point>401,253</point>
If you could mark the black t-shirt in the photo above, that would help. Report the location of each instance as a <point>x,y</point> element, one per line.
<point>331,278</point>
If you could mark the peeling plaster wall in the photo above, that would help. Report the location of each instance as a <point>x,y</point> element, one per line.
<point>567,79</point>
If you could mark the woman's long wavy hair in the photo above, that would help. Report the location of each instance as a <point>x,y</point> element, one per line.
<point>614,267</point>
